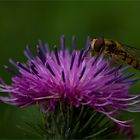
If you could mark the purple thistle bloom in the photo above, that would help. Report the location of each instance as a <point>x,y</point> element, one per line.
<point>77,79</point>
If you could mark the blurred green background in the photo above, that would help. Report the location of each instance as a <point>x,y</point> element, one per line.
<point>26,22</point>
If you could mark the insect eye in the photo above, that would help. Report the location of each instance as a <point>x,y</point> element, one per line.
<point>99,43</point>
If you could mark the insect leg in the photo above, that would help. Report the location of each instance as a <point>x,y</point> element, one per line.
<point>114,60</point>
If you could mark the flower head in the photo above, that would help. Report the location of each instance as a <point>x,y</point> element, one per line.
<point>75,78</point>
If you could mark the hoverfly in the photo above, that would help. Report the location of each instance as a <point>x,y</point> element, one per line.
<point>117,51</point>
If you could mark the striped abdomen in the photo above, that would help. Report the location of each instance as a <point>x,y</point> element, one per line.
<point>129,59</point>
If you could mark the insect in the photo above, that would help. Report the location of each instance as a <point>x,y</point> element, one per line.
<point>117,51</point>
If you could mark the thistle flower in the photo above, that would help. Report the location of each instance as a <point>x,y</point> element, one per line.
<point>76,78</point>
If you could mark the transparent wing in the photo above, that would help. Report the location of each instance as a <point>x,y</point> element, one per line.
<point>114,59</point>
<point>134,52</point>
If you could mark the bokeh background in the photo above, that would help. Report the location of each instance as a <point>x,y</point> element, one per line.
<point>27,22</point>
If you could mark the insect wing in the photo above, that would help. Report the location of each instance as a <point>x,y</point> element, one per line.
<point>134,52</point>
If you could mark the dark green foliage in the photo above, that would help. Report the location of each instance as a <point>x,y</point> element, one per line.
<point>68,122</point>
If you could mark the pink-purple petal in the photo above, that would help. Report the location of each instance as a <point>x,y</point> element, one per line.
<point>75,78</point>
